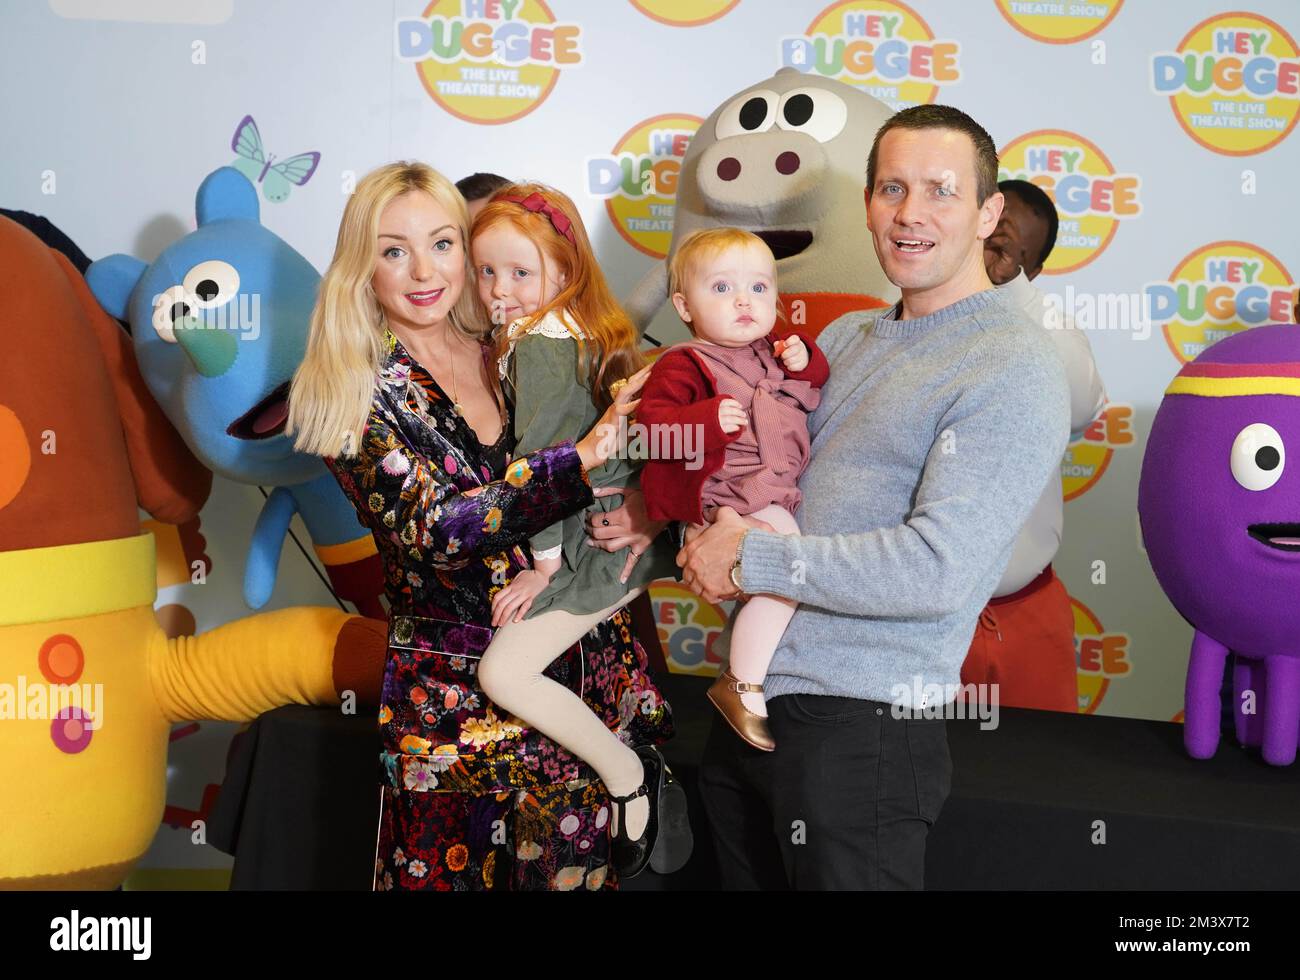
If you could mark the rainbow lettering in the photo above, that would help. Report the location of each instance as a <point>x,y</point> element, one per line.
<point>1100,657</point>
<point>488,61</point>
<point>638,180</point>
<point>1216,291</point>
<point>1091,198</point>
<point>688,627</point>
<point>1087,458</point>
<point>884,47</point>
<point>1233,83</point>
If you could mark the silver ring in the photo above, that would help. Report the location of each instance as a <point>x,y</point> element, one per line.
<point>605,521</point>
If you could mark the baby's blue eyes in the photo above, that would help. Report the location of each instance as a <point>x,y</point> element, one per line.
<point>724,287</point>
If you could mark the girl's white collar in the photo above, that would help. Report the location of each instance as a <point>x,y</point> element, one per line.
<point>552,325</point>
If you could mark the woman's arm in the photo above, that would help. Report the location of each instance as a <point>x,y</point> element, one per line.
<point>397,491</point>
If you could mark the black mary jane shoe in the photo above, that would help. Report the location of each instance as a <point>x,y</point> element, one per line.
<point>666,842</point>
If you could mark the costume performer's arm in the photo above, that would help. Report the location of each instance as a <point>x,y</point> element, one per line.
<point>240,670</point>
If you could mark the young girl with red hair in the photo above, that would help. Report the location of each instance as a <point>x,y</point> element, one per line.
<point>562,341</point>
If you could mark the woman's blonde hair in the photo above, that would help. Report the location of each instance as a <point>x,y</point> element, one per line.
<point>332,390</point>
<point>611,350</point>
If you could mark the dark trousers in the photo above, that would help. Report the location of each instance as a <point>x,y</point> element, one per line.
<point>845,801</point>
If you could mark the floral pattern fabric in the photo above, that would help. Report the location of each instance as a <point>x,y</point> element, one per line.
<point>472,797</point>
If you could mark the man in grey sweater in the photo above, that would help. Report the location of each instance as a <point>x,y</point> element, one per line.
<point>938,430</point>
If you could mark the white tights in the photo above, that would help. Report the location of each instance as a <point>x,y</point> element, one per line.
<point>510,673</point>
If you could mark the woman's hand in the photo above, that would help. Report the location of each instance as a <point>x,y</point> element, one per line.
<point>512,603</point>
<point>627,526</point>
<point>693,531</point>
<point>598,445</point>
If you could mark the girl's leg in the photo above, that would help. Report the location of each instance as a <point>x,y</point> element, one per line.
<point>761,623</point>
<point>510,673</point>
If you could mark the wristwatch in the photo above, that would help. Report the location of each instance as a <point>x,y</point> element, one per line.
<point>735,565</point>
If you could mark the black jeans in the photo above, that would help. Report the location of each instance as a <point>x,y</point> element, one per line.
<point>845,801</point>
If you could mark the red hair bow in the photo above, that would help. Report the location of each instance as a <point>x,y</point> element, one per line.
<point>536,203</point>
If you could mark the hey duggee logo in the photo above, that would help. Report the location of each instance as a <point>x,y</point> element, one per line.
<point>1219,289</point>
<point>1233,83</point>
<point>489,61</point>
<point>883,47</point>
<point>688,627</point>
<point>1059,22</point>
<point>638,180</point>
<point>1100,657</point>
<point>685,13</point>
<point>1091,198</point>
<point>1086,458</point>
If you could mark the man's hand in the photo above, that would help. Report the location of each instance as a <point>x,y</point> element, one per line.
<point>693,531</point>
<point>512,603</point>
<point>708,556</point>
<point>624,527</point>
<point>731,416</point>
<point>793,353</point>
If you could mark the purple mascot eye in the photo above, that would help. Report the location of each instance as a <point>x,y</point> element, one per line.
<point>1258,456</point>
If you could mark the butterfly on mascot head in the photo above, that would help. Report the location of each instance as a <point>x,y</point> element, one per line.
<point>277,178</point>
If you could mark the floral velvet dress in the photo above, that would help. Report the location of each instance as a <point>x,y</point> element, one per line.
<point>472,798</point>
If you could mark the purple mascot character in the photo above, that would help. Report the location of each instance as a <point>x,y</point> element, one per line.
<point>1221,522</point>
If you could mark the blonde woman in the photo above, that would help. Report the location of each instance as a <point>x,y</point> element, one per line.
<point>398,394</point>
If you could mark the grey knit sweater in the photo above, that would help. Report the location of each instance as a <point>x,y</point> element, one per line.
<point>933,440</point>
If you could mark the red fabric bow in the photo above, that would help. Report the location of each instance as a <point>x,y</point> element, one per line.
<point>535,202</point>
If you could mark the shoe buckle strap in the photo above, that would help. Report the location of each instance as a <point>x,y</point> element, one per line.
<point>640,791</point>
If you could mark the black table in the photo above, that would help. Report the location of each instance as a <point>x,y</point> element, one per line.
<point>299,805</point>
<point>1026,797</point>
